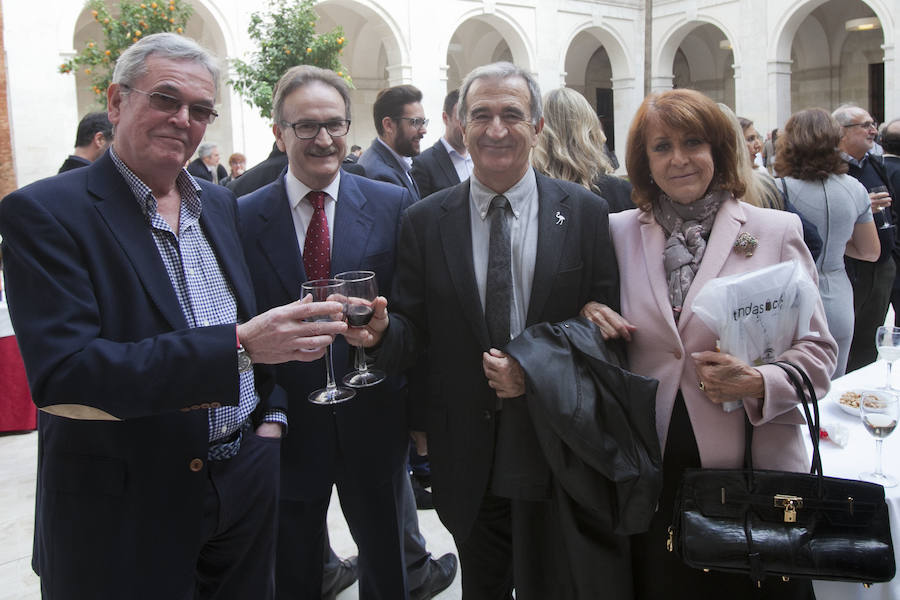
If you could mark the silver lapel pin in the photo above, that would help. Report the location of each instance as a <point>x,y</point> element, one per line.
<point>559,218</point>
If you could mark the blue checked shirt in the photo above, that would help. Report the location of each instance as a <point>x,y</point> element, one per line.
<point>205,295</point>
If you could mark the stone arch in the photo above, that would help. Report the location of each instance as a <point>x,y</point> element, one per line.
<point>711,65</point>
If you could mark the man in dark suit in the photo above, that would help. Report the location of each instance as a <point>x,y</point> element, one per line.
<point>471,275</point>
<point>206,165</point>
<point>447,162</point>
<point>358,445</point>
<point>872,281</point>
<point>92,139</point>
<point>261,174</point>
<point>354,154</point>
<point>158,474</point>
<point>401,124</point>
<point>890,141</point>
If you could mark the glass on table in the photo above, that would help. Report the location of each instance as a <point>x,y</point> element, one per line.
<point>878,411</point>
<point>323,290</point>
<point>360,289</point>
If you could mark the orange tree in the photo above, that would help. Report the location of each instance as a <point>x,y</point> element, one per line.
<point>132,21</point>
<point>285,36</point>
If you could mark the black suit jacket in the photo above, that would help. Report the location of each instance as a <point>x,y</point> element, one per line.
<point>262,174</point>
<point>199,170</point>
<point>381,165</point>
<point>436,311</point>
<point>99,325</point>
<point>433,170</point>
<point>73,162</point>
<point>367,433</point>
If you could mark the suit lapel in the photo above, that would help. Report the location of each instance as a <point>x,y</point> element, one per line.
<point>120,210</point>
<point>278,240</point>
<point>445,163</point>
<point>214,222</point>
<point>456,239</point>
<point>352,227</point>
<point>553,224</point>
<point>653,241</point>
<point>392,162</point>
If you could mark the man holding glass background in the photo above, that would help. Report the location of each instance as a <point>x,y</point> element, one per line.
<point>360,444</point>
<point>872,281</point>
<point>125,282</point>
<point>477,264</point>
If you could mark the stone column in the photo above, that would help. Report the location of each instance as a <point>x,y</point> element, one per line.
<point>779,92</point>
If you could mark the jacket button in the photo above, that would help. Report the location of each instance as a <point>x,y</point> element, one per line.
<point>678,354</point>
<point>486,415</point>
<point>196,465</point>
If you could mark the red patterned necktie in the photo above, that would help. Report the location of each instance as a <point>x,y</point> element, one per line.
<point>316,248</point>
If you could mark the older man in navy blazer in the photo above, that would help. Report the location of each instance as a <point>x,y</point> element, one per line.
<point>133,308</point>
<point>360,444</point>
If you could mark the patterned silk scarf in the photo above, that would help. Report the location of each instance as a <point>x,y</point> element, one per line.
<point>687,227</point>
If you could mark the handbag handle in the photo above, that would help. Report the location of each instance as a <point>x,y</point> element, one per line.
<point>807,395</point>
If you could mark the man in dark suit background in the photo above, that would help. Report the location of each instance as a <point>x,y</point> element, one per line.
<point>447,162</point>
<point>134,310</point>
<point>93,137</point>
<point>206,165</point>
<point>401,124</point>
<point>477,264</point>
<point>358,445</point>
<point>353,155</point>
<point>890,141</point>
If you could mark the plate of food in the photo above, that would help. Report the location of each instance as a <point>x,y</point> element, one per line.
<point>849,400</point>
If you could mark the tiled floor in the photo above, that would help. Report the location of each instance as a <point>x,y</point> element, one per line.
<point>18,458</point>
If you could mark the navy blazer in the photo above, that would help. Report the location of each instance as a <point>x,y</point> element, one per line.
<point>381,165</point>
<point>433,170</point>
<point>99,325</point>
<point>368,431</point>
<point>436,311</point>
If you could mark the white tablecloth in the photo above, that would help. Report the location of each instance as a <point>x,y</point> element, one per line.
<point>859,455</point>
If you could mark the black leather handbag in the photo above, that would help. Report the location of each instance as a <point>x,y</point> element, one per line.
<point>776,523</point>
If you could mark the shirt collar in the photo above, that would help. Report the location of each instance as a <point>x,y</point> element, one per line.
<point>405,161</point>
<point>524,191</point>
<point>188,188</point>
<point>452,151</point>
<point>297,190</point>
<point>853,161</point>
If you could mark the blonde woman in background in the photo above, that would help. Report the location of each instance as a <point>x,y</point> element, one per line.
<point>571,148</point>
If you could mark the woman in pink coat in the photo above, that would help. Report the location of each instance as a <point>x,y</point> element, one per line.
<point>682,162</point>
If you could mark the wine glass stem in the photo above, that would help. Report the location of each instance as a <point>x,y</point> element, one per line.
<point>889,385</point>
<point>330,385</point>
<point>878,458</point>
<point>361,365</point>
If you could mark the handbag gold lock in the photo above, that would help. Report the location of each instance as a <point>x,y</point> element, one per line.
<point>790,505</point>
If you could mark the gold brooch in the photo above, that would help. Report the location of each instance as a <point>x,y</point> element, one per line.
<point>746,243</point>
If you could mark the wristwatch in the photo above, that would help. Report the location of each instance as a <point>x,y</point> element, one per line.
<point>245,363</point>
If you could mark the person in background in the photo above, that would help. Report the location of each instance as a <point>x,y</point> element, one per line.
<point>354,154</point>
<point>890,141</point>
<point>570,147</point>
<point>95,134</point>
<point>206,165</point>
<point>447,162</point>
<point>237,163</point>
<point>814,177</point>
<point>682,161</point>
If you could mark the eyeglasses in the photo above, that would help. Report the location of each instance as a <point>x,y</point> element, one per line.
<point>416,122</point>
<point>864,125</point>
<point>307,130</point>
<point>171,105</point>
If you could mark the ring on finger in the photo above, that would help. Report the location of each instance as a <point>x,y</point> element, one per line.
<point>701,385</point>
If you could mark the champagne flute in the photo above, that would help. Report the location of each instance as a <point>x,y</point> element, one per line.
<point>887,340</point>
<point>878,409</point>
<point>361,289</point>
<point>322,290</point>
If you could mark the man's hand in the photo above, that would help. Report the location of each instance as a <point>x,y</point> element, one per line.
<point>370,335</point>
<point>282,334</point>
<point>504,374</point>
<point>420,438</point>
<point>612,325</point>
<point>270,430</point>
<point>880,200</point>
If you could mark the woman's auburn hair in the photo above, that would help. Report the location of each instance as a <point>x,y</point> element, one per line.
<point>686,111</point>
<point>808,148</point>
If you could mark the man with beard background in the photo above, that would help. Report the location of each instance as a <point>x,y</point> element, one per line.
<point>401,125</point>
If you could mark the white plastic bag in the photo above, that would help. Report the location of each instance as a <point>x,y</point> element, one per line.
<point>757,315</point>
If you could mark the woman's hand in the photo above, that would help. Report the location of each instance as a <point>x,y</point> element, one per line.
<point>724,378</point>
<point>612,325</point>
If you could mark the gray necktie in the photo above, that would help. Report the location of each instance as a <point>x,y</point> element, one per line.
<point>498,288</point>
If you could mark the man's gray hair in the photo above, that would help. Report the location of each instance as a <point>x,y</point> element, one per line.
<point>845,113</point>
<point>296,77</point>
<point>206,148</point>
<point>500,70</point>
<point>132,64</point>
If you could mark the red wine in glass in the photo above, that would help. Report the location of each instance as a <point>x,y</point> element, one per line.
<point>360,289</point>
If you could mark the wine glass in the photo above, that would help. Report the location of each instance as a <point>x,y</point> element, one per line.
<point>887,340</point>
<point>879,189</point>
<point>361,289</point>
<point>878,409</point>
<point>322,290</point>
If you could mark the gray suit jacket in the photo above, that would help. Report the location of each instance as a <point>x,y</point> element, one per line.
<point>381,165</point>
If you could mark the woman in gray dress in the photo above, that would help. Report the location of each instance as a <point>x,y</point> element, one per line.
<point>813,177</point>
